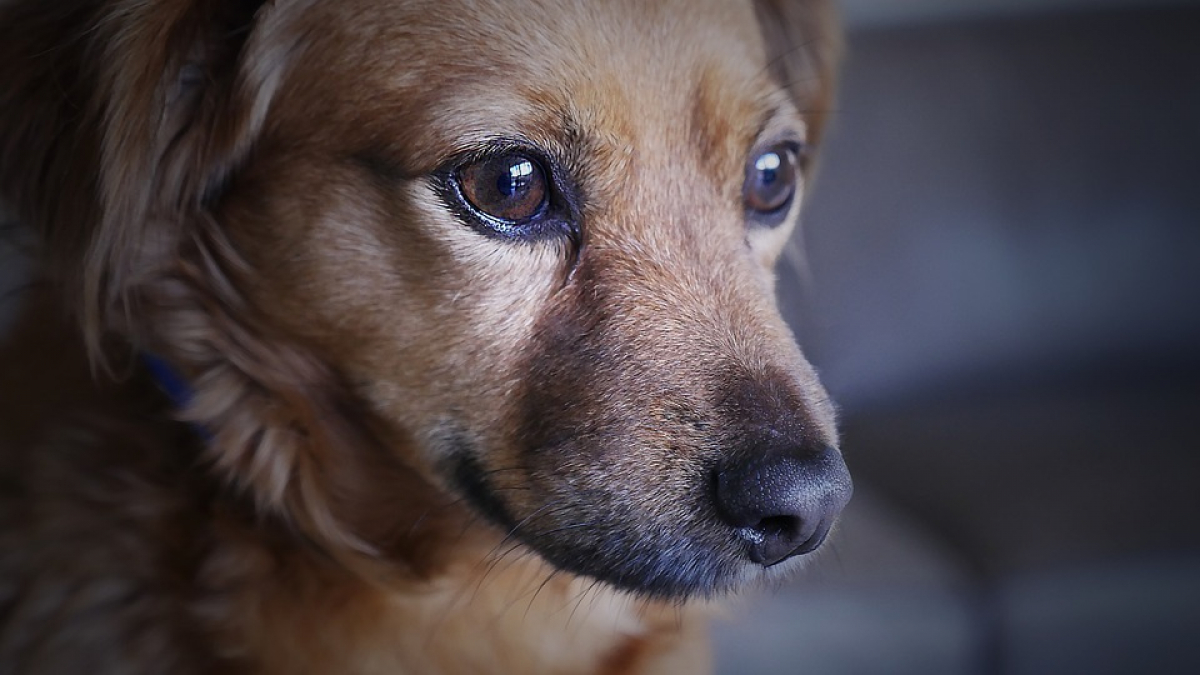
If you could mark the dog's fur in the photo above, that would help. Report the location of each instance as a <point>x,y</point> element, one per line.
<point>409,447</point>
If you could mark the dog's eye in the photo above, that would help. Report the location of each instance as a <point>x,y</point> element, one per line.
<point>510,186</point>
<point>771,181</point>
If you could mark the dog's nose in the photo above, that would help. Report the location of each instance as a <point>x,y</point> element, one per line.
<point>782,501</point>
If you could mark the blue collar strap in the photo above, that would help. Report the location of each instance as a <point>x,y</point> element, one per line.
<point>174,386</point>
<point>168,380</point>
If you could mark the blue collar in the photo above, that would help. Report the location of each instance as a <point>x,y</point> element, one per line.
<point>171,383</point>
<point>168,380</point>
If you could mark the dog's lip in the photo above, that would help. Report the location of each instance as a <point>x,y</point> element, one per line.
<point>468,476</point>
<point>678,570</point>
<point>683,567</point>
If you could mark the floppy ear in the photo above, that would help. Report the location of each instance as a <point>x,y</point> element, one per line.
<point>120,118</point>
<point>804,47</point>
<point>121,124</point>
<point>181,111</point>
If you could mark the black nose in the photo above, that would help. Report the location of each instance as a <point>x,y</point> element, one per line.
<point>782,501</point>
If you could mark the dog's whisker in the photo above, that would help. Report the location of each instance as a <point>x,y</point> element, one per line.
<point>503,469</point>
<point>417,523</point>
<point>580,597</point>
<point>545,582</point>
<point>491,560</point>
<point>492,568</point>
<point>566,528</point>
<point>550,507</point>
<point>521,588</point>
<point>508,488</point>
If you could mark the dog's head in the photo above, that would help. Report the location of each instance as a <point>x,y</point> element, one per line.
<point>518,253</point>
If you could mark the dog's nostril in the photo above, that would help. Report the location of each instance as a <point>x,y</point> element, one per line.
<point>778,538</point>
<point>778,526</point>
<point>782,502</point>
<point>773,539</point>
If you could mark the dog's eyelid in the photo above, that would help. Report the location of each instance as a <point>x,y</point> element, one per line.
<point>788,135</point>
<point>487,149</point>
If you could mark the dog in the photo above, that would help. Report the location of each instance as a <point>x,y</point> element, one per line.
<point>399,336</point>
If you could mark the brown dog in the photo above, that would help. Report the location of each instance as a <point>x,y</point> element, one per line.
<point>471,307</point>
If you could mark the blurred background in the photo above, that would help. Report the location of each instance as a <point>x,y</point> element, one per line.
<point>1001,289</point>
<point>1002,292</point>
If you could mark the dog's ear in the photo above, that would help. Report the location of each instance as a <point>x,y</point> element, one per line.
<point>122,118</point>
<point>182,108</point>
<point>121,124</point>
<point>804,47</point>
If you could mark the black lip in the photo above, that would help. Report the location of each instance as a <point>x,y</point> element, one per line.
<point>618,554</point>
<point>470,479</point>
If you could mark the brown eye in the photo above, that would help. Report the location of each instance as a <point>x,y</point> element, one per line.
<point>771,179</point>
<point>509,186</point>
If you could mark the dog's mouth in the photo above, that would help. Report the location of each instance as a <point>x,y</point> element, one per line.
<point>714,530</point>
<point>602,541</point>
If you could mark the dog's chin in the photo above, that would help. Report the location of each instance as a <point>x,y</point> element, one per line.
<point>677,562</point>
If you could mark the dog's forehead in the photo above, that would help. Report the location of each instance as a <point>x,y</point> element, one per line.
<point>624,76</point>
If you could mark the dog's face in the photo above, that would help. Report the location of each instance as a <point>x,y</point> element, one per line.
<point>525,245</point>
<point>538,242</point>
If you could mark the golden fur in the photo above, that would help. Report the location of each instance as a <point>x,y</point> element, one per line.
<point>241,188</point>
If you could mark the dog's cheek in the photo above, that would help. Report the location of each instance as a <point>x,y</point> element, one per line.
<point>423,316</point>
<point>474,325</point>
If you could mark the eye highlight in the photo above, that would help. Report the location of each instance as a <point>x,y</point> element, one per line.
<point>770,185</point>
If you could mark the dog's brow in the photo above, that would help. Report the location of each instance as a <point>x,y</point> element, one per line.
<point>779,118</point>
<point>564,137</point>
<point>769,115</point>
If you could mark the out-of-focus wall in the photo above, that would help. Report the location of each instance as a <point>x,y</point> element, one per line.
<point>878,13</point>
<point>1006,197</point>
<point>14,268</point>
